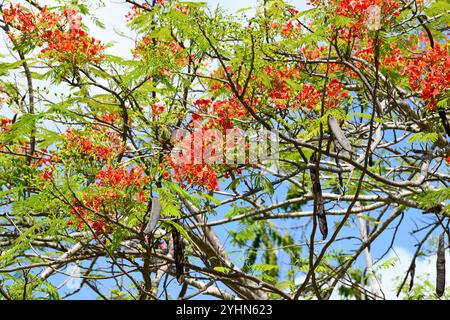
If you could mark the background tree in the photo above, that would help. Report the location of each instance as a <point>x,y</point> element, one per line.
<point>357,92</point>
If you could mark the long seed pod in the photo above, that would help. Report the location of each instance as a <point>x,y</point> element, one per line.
<point>155,214</point>
<point>318,199</point>
<point>178,255</point>
<point>413,274</point>
<point>440,267</point>
<point>443,116</point>
<point>341,181</point>
<point>339,134</point>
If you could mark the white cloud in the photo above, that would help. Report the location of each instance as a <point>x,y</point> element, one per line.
<point>391,277</point>
<point>425,267</point>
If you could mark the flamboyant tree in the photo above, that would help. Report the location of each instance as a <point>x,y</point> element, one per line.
<point>353,94</point>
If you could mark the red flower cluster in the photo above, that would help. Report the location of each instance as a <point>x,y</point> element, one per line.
<point>209,114</point>
<point>392,59</point>
<point>358,11</point>
<point>357,8</point>
<point>47,174</point>
<point>27,22</point>
<point>65,40</point>
<point>72,46</point>
<point>203,104</point>
<point>87,146</point>
<point>109,117</point>
<point>223,112</point>
<point>6,124</point>
<point>201,175</point>
<point>290,29</point>
<point>136,10</point>
<point>191,168</point>
<point>395,58</point>
<point>82,214</point>
<point>121,178</point>
<point>157,109</point>
<point>430,74</point>
<point>151,47</point>
<point>45,158</point>
<point>114,191</point>
<point>280,91</point>
<point>335,94</point>
<point>282,94</point>
<point>105,149</point>
<point>308,97</point>
<point>184,9</point>
<point>315,53</point>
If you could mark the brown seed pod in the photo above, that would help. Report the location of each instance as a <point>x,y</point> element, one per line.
<point>440,267</point>
<point>413,274</point>
<point>178,255</point>
<point>339,134</point>
<point>443,116</point>
<point>318,200</point>
<point>155,214</point>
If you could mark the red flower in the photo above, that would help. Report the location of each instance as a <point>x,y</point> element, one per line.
<point>430,74</point>
<point>157,109</point>
<point>335,93</point>
<point>274,25</point>
<point>290,28</point>
<point>309,97</point>
<point>184,9</point>
<point>47,175</point>
<point>121,177</point>
<point>166,175</point>
<point>136,10</point>
<point>140,197</point>
<point>6,124</point>
<point>202,104</point>
<point>109,117</point>
<point>280,92</point>
<point>293,11</point>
